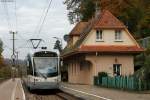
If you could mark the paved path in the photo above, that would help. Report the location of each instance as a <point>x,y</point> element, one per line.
<point>11,90</point>
<point>96,93</point>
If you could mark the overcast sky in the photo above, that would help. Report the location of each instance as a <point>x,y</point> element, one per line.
<point>28,16</point>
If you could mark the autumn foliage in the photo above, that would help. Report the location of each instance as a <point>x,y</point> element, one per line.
<point>134,13</point>
<point>5,71</point>
<point>1,58</point>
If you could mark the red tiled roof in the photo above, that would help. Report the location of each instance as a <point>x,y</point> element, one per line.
<point>111,48</point>
<point>105,49</point>
<point>107,20</point>
<point>77,30</point>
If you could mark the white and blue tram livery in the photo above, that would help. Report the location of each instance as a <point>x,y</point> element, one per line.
<point>42,70</point>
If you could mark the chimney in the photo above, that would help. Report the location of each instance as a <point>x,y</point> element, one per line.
<point>97,10</point>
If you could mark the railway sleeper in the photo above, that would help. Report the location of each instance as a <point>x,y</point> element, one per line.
<point>67,96</point>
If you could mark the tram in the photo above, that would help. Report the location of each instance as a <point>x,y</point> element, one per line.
<point>42,70</point>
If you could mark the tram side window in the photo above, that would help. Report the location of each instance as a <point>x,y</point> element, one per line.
<point>29,67</point>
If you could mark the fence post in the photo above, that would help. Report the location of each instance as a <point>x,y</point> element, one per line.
<point>121,84</point>
<point>127,83</point>
<point>107,81</point>
<point>139,83</point>
<point>133,83</point>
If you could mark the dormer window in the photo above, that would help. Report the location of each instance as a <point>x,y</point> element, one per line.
<point>118,35</point>
<point>99,35</point>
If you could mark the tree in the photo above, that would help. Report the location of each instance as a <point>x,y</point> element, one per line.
<point>134,13</point>
<point>137,17</point>
<point>144,60</point>
<point>80,10</point>
<point>1,58</point>
<point>147,68</point>
<point>58,46</point>
<point>85,9</point>
<point>1,47</point>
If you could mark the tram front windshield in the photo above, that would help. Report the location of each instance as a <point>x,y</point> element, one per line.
<point>46,66</point>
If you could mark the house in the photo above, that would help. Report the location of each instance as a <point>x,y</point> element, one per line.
<point>102,44</point>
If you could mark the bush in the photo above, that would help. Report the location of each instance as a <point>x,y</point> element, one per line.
<point>5,72</point>
<point>101,75</point>
<point>144,72</point>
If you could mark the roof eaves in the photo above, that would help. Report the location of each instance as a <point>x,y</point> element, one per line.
<point>70,52</point>
<point>85,33</point>
<point>110,27</point>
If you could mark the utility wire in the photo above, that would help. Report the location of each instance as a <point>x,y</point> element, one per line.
<point>23,45</point>
<point>40,18</point>
<point>7,15</point>
<point>8,18</point>
<point>44,18</point>
<point>5,46</point>
<point>21,37</point>
<point>16,19</point>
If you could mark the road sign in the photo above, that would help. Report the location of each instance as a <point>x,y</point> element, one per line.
<point>13,57</point>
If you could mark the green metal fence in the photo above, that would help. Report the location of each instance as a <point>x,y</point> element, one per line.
<point>126,83</point>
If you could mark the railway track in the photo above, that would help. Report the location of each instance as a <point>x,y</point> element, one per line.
<point>48,95</point>
<point>43,97</point>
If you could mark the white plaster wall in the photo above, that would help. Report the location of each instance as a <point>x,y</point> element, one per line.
<point>109,38</point>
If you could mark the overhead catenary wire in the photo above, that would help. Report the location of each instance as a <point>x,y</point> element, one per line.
<point>42,20</point>
<point>39,22</point>
<point>41,26</point>
<point>14,25</point>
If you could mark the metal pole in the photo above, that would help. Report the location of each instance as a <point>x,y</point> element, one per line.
<point>13,56</point>
<point>13,43</point>
<point>17,64</point>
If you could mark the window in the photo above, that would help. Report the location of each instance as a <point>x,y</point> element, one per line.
<point>99,35</point>
<point>118,35</point>
<point>117,69</point>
